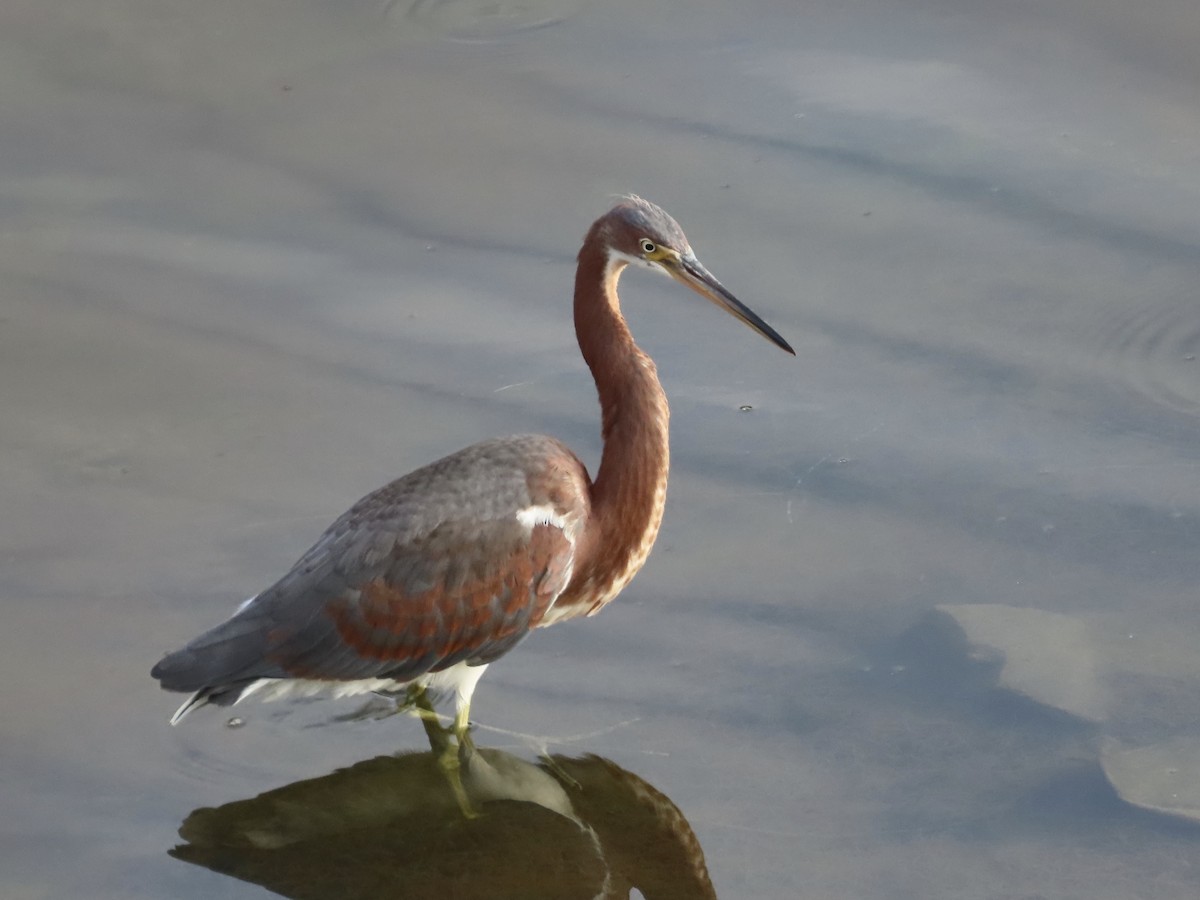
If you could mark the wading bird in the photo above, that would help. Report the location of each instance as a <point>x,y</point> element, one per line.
<point>423,583</point>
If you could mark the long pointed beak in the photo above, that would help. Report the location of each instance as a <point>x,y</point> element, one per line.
<point>689,271</point>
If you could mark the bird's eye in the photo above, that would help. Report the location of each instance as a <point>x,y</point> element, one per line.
<point>648,246</point>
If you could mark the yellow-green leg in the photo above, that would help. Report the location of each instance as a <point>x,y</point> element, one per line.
<point>449,758</point>
<point>462,729</point>
<point>419,703</point>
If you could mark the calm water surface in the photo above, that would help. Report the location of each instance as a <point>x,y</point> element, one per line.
<point>257,259</point>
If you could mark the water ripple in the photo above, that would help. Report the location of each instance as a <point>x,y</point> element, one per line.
<point>480,21</point>
<point>1157,350</point>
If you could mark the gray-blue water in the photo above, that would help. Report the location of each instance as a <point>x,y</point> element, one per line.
<point>258,259</point>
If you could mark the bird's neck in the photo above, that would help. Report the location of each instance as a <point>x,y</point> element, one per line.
<point>629,491</point>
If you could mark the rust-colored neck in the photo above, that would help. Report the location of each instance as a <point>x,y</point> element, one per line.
<point>629,490</point>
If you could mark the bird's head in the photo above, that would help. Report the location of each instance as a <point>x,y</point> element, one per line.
<point>637,232</point>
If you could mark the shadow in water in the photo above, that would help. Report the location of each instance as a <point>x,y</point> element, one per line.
<point>391,827</point>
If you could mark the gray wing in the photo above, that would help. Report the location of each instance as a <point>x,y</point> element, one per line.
<point>434,569</point>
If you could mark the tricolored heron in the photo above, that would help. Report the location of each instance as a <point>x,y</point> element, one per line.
<point>426,581</point>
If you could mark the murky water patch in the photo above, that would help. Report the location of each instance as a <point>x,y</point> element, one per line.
<point>479,21</point>
<point>1156,348</point>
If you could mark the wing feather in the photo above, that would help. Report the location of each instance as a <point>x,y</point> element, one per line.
<point>434,569</point>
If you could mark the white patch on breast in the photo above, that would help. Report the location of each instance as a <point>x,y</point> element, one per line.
<point>532,516</point>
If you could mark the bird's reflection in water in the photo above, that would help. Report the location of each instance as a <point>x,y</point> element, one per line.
<point>391,827</point>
